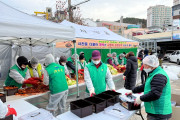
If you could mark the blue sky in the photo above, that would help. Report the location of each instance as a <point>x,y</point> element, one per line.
<point>109,10</point>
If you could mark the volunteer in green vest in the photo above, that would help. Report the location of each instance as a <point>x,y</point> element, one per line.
<point>81,63</point>
<point>62,62</point>
<point>157,91</point>
<point>97,76</point>
<point>71,63</point>
<point>109,59</point>
<point>124,58</point>
<point>120,59</point>
<point>115,60</point>
<point>35,69</point>
<point>55,74</point>
<point>17,74</point>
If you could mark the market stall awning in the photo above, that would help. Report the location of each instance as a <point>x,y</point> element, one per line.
<point>96,33</point>
<point>20,28</point>
<point>96,37</point>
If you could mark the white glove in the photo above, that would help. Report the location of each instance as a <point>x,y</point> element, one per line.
<point>91,92</point>
<point>137,101</point>
<point>129,92</point>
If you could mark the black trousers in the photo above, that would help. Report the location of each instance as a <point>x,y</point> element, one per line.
<point>143,76</point>
<point>155,118</point>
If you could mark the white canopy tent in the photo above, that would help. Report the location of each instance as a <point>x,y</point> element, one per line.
<point>95,33</point>
<point>20,28</point>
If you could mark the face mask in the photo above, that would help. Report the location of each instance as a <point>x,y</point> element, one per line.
<point>63,64</point>
<point>23,67</point>
<point>34,66</point>
<point>147,70</point>
<point>82,61</point>
<point>96,62</point>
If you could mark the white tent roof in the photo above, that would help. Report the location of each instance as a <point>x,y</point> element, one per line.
<point>17,27</point>
<point>96,33</point>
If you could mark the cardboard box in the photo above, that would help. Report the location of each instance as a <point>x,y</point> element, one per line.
<point>175,109</point>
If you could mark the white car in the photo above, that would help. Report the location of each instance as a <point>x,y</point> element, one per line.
<point>175,57</point>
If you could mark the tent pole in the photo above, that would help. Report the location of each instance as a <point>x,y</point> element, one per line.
<point>53,50</point>
<point>31,51</point>
<point>31,47</point>
<point>75,52</point>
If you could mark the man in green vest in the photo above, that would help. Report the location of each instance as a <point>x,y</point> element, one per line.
<point>157,91</point>
<point>71,63</point>
<point>54,75</point>
<point>35,69</point>
<point>17,74</point>
<point>97,76</point>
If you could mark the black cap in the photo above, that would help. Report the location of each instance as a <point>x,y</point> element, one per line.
<point>22,60</point>
<point>81,57</point>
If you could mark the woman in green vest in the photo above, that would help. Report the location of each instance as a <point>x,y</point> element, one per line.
<point>54,75</point>
<point>120,59</point>
<point>115,58</point>
<point>124,58</point>
<point>35,69</point>
<point>17,74</point>
<point>97,76</point>
<point>81,63</point>
<point>109,59</point>
<point>157,91</point>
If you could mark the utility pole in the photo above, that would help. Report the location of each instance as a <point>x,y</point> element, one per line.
<point>70,11</point>
<point>72,7</point>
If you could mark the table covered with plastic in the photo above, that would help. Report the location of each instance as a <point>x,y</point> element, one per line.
<point>107,114</point>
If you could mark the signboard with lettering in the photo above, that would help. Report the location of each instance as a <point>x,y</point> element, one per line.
<point>98,44</point>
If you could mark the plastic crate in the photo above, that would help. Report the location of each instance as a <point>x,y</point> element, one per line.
<point>81,108</point>
<point>98,104</point>
<point>10,117</point>
<point>114,94</point>
<point>129,105</point>
<point>10,92</point>
<point>109,99</point>
<point>3,98</point>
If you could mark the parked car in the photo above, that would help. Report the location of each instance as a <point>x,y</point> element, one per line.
<point>167,54</point>
<point>175,57</point>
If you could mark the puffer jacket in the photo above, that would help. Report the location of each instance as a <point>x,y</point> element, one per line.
<point>131,72</point>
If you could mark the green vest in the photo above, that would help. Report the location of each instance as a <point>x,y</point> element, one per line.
<point>70,59</point>
<point>82,66</point>
<point>57,80</point>
<point>163,104</point>
<point>10,81</point>
<point>98,77</point>
<point>125,61</point>
<point>106,61</point>
<point>119,60</point>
